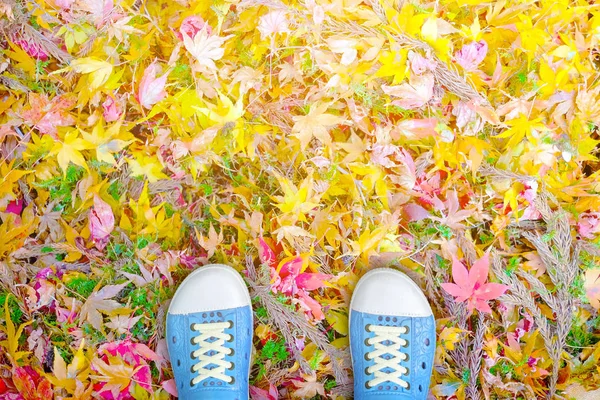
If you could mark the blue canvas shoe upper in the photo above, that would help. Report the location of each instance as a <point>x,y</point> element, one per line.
<point>392,337</point>
<point>209,335</point>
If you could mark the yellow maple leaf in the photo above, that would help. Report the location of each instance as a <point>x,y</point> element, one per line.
<point>67,376</point>
<point>106,141</point>
<point>315,124</point>
<point>393,63</point>
<point>98,70</point>
<point>146,165</point>
<point>11,343</point>
<point>24,61</point>
<point>407,21</point>
<point>117,374</point>
<point>9,176</point>
<point>296,201</point>
<point>449,337</point>
<point>69,150</point>
<point>531,37</point>
<point>224,111</point>
<point>519,128</point>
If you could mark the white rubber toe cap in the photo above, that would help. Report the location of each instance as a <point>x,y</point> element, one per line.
<point>385,291</point>
<point>210,288</point>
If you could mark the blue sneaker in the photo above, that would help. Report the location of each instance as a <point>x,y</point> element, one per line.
<point>209,335</point>
<point>392,337</point>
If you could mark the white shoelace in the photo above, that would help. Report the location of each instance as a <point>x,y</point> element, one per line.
<point>389,334</point>
<point>208,331</point>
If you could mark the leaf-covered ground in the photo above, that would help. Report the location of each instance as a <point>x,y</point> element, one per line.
<point>303,143</point>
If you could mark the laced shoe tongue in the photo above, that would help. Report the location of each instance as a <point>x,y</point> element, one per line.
<point>210,355</point>
<point>387,356</point>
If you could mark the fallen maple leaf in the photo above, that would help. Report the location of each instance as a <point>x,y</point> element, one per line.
<point>454,215</point>
<point>273,23</point>
<point>471,55</point>
<point>309,387</point>
<point>122,323</point>
<point>152,89</point>
<point>315,124</point>
<point>69,149</point>
<point>68,376</point>
<point>205,47</point>
<point>102,222</point>
<point>100,301</point>
<point>192,25</point>
<point>30,384</point>
<point>414,94</point>
<point>471,284</point>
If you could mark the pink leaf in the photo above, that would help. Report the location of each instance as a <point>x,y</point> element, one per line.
<point>491,291</point>
<point>471,55</point>
<point>111,110</point>
<point>420,64</point>
<point>471,285</point>
<point>460,273</point>
<point>292,267</point>
<point>456,291</point>
<point>380,154</point>
<point>412,95</point>
<point>143,377</point>
<point>152,89</point>
<point>415,212</point>
<point>589,224</point>
<point>145,351</point>
<point>261,394</point>
<point>102,222</point>
<point>33,49</point>
<point>312,281</point>
<point>419,128</point>
<point>191,26</point>
<point>480,305</point>
<point>266,254</point>
<point>170,387</point>
<point>480,269</point>
<point>15,207</point>
<point>310,304</point>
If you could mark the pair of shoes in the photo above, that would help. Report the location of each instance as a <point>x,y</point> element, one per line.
<point>210,327</point>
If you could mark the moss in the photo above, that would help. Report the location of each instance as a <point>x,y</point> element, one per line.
<point>15,311</point>
<point>82,285</point>
<point>275,350</point>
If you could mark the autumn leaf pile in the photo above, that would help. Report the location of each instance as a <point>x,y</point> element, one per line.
<point>303,143</point>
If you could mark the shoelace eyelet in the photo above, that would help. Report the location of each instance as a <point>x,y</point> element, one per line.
<point>367,357</point>
<point>232,352</point>
<point>367,342</point>
<point>232,366</point>
<point>368,327</point>
<point>232,381</point>
<point>367,371</point>
<point>367,385</point>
